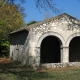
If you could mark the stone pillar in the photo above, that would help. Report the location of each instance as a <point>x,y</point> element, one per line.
<point>37,51</point>
<point>34,57</point>
<point>31,56</point>
<point>64,54</point>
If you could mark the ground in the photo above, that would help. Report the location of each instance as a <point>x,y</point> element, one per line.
<point>12,70</point>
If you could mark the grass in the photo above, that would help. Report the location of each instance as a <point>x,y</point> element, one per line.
<point>11,70</point>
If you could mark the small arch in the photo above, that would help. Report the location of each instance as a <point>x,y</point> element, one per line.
<point>71,37</point>
<point>48,34</point>
<point>74,49</point>
<point>58,37</point>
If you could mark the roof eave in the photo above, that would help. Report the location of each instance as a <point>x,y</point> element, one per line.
<point>18,31</point>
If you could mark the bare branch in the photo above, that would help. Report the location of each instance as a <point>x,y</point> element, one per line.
<point>12,1</point>
<point>47,4</point>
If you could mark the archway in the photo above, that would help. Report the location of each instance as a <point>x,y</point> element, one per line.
<point>74,50</point>
<point>50,50</point>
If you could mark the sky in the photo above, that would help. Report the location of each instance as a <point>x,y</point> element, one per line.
<point>71,7</point>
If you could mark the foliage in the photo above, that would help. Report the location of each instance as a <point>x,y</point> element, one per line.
<point>10,19</point>
<point>32,22</point>
<point>11,16</point>
<point>3,2</point>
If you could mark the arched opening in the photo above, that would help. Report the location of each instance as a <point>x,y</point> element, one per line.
<point>74,50</point>
<point>50,50</point>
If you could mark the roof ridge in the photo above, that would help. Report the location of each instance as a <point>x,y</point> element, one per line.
<point>42,22</point>
<point>50,19</point>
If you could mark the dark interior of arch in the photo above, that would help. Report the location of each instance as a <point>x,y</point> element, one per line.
<point>50,50</point>
<point>74,50</point>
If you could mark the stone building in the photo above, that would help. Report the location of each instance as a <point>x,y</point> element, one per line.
<point>54,42</point>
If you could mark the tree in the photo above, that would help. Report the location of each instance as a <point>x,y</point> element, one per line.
<point>32,22</point>
<point>4,43</point>
<point>45,4</point>
<point>13,18</point>
<point>3,1</point>
<point>10,19</point>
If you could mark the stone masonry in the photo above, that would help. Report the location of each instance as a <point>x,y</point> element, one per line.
<point>25,44</point>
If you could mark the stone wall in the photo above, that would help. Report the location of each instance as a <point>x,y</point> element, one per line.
<point>17,41</point>
<point>28,48</point>
<point>60,65</point>
<point>64,27</point>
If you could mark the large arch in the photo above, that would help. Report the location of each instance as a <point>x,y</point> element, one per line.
<point>48,34</point>
<point>58,37</point>
<point>50,50</point>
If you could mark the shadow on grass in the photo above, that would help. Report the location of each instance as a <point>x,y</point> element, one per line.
<point>21,72</point>
<point>16,71</point>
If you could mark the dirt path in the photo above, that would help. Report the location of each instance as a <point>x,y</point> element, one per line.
<point>5,60</point>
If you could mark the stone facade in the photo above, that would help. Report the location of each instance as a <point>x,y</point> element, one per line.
<point>26,43</point>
